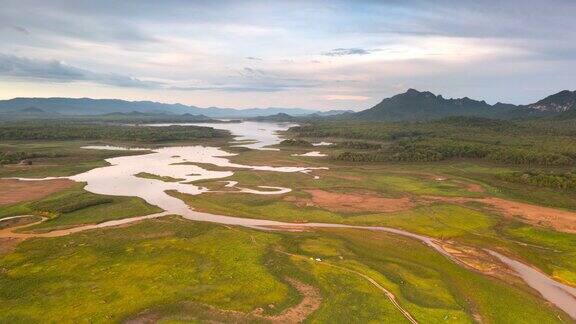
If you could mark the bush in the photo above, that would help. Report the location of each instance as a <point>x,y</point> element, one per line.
<point>295,142</point>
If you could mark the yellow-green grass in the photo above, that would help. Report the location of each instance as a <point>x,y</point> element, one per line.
<point>76,206</point>
<point>470,224</point>
<point>109,275</point>
<point>411,177</point>
<point>437,220</point>
<point>421,186</point>
<point>434,289</point>
<point>551,251</point>
<point>489,176</point>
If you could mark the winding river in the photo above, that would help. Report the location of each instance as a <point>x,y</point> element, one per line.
<point>181,163</point>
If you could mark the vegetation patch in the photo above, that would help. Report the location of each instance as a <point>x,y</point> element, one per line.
<point>74,130</point>
<point>76,206</point>
<point>562,181</point>
<point>295,142</point>
<point>147,175</point>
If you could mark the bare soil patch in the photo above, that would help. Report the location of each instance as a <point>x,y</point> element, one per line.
<point>474,187</point>
<point>14,191</point>
<point>311,300</point>
<point>479,260</point>
<point>558,219</point>
<point>7,245</point>
<point>354,202</point>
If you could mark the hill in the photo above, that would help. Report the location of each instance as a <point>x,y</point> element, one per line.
<point>561,102</point>
<point>414,105</point>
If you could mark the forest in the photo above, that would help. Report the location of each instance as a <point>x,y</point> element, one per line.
<point>518,142</point>
<point>560,181</point>
<point>63,130</point>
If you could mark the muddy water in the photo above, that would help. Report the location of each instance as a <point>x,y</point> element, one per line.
<point>176,162</point>
<point>311,154</point>
<point>258,134</point>
<point>119,179</point>
<point>561,295</point>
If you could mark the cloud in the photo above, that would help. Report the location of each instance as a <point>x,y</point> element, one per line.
<point>347,51</point>
<point>347,97</point>
<point>488,49</point>
<point>252,73</point>
<point>248,79</point>
<point>57,71</point>
<point>21,30</point>
<point>276,85</point>
<point>254,80</point>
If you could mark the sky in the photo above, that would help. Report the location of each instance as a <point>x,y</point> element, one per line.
<point>308,54</point>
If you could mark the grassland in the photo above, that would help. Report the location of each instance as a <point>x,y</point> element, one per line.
<point>471,223</point>
<point>180,271</point>
<point>164,264</point>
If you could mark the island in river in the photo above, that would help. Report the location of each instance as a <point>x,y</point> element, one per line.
<point>244,229</point>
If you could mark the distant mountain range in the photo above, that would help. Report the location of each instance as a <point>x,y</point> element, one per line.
<point>414,105</point>
<point>85,107</point>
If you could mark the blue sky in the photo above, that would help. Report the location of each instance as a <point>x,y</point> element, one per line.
<point>312,54</point>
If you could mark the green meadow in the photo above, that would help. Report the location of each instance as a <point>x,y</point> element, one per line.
<point>163,265</point>
<point>176,270</point>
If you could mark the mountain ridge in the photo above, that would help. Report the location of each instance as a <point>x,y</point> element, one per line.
<point>414,105</point>
<point>88,106</point>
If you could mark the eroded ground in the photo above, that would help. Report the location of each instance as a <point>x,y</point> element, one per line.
<point>353,202</point>
<point>14,191</point>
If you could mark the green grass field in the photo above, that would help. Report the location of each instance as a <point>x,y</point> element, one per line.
<point>182,271</point>
<point>470,223</point>
<point>113,274</point>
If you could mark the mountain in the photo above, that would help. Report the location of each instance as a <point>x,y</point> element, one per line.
<point>414,105</point>
<point>280,117</point>
<point>253,112</point>
<point>26,113</point>
<point>138,117</point>
<point>87,106</point>
<point>560,102</point>
<point>334,112</point>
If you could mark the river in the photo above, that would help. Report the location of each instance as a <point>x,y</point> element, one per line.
<point>119,179</point>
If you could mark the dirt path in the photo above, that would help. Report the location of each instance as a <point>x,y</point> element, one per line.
<point>11,232</point>
<point>14,191</point>
<point>386,292</point>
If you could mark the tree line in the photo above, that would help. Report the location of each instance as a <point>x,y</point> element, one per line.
<point>562,181</point>
<point>522,143</point>
<point>83,131</point>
